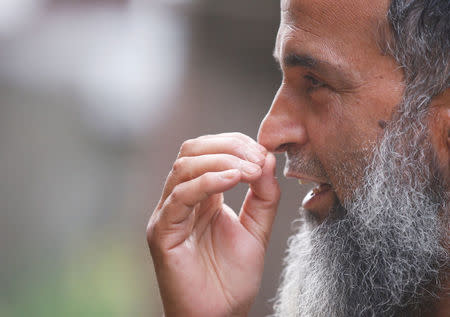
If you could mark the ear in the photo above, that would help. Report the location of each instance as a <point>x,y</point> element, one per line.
<point>440,129</point>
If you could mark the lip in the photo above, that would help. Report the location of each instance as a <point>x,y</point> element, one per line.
<point>290,174</point>
<point>320,204</point>
<point>313,198</point>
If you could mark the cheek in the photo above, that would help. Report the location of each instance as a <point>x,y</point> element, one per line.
<point>344,148</point>
<point>348,171</point>
<point>326,107</point>
<point>343,134</point>
<point>336,128</point>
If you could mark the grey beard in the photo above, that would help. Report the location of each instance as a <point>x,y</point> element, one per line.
<point>383,254</point>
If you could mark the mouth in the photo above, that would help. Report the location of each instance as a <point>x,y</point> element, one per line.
<point>320,199</point>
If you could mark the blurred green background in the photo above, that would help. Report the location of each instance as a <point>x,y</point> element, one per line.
<point>95,99</point>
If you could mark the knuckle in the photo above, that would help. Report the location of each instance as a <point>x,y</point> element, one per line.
<point>175,196</point>
<point>178,165</point>
<point>186,146</point>
<point>151,233</point>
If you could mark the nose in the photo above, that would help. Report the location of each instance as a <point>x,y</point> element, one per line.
<point>283,125</point>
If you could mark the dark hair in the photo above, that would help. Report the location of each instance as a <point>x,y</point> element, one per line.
<point>420,42</point>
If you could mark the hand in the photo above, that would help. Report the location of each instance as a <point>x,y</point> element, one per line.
<point>208,261</point>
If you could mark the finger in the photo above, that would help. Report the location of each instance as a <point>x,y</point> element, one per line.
<point>187,168</point>
<point>245,138</point>
<point>261,203</point>
<point>246,150</point>
<point>186,196</point>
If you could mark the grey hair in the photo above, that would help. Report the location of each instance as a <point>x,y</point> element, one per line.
<point>419,40</point>
<point>420,43</point>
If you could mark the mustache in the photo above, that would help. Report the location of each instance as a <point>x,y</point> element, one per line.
<point>301,161</point>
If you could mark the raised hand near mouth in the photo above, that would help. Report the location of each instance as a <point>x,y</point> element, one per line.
<point>208,260</point>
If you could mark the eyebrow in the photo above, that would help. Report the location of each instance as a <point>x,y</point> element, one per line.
<point>312,63</point>
<point>303,60</point>
<point>293,60</point>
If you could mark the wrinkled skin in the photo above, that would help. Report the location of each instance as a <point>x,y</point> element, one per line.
<point>332,114</point>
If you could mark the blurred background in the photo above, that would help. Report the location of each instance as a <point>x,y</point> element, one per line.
<point>96,96</point>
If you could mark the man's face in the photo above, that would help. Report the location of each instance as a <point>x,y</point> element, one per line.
<point>337,90</point>
<point>373,244</point>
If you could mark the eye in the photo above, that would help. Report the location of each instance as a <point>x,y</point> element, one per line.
<point>314,83</point>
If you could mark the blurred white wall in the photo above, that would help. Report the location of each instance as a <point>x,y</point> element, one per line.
<point>122,61</point>
<point>15,15</point>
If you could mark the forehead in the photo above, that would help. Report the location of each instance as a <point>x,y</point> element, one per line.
<point>339,13</point>
<point>338,29</point>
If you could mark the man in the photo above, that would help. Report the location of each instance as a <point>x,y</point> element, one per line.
<point>364,112</point>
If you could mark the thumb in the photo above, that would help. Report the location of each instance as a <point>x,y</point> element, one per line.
<point>261,203</point>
